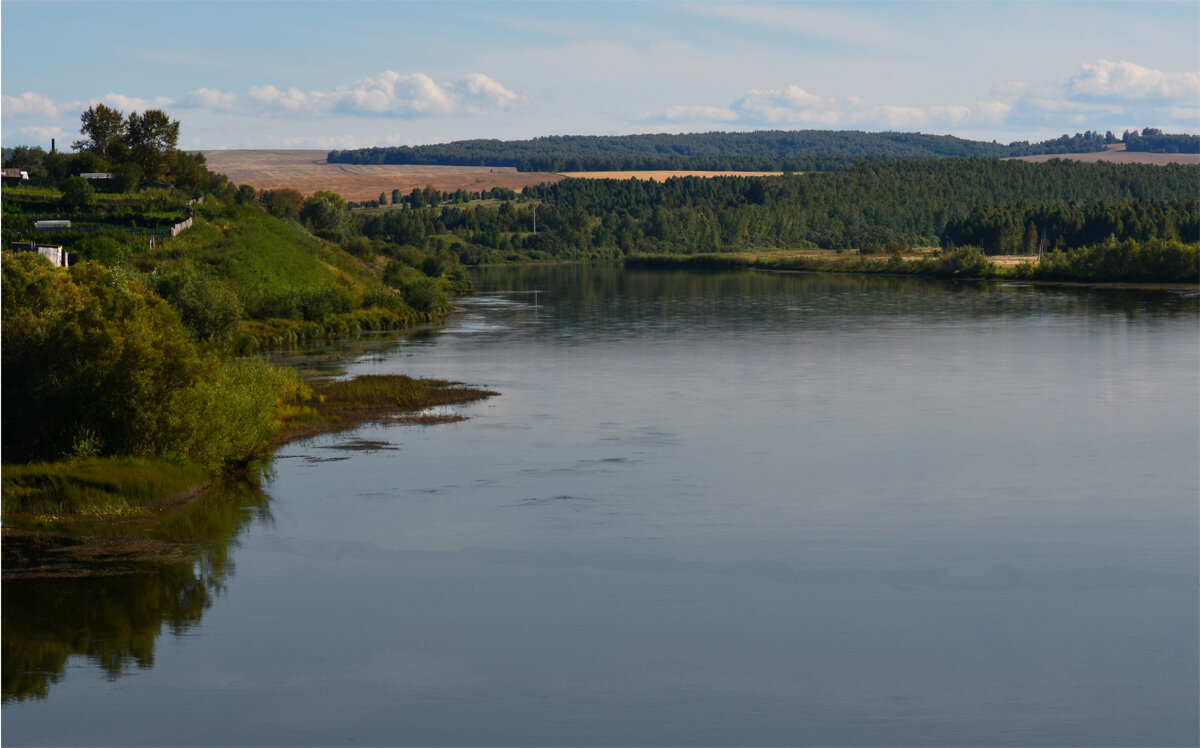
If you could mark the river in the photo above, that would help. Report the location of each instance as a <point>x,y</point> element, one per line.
<point>706,509</point>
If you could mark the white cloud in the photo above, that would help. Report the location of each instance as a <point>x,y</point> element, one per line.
<point>1126,80</point>
<point>29,104</point>
<point>1187,114</point>
<point>993,111</point>
<point>896,116</point>
<point>482,91</point>
<point>292,100</point>
<point>128,104</point>
<point>789,105</point>
<point>393,94</point>
<point>698,113</point>
<point>211,98</point>
<point>44,134</point>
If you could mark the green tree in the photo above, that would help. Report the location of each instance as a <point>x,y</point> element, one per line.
<point>105,249</point>
<point>91,355</point>
<point>152,137</point>
<point>245,194</point>
<point>283,203</point>
<point>326,214</point>
<point>77,194</point>
<point>87,352</point>
<point>104,130</point>
<point>206,305</point>
<point>128,177</point>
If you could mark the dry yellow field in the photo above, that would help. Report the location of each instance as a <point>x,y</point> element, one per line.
<point>307,171</point>
<point>662,176</point>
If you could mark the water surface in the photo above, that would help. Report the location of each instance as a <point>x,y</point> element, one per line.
<point>733,508</point>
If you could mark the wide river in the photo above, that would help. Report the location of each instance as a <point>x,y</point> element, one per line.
<point>733,509</point>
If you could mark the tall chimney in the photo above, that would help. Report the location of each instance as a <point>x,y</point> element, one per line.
<point>52,145</point>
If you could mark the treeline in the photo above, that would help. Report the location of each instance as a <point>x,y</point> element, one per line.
<point>876,207</point>
<point>1034,229</point>
<point>767,150</point>
<point>136,149</point>
<point>1152,140</point>
<point>1128,261</point>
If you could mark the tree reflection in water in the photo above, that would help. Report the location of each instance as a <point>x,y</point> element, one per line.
<point>114,617</point>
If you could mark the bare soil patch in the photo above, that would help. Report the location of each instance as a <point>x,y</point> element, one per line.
<point>307,171</point>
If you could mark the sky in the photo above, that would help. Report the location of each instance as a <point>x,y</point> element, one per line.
<point>322,74</point>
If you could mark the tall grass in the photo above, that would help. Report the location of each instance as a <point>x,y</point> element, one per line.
<point>96,486</point>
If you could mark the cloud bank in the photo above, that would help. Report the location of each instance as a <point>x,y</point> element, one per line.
<point>1098,93</point>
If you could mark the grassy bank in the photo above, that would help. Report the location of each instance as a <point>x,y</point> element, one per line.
<point>78,517</point>
<point>1152,262</point>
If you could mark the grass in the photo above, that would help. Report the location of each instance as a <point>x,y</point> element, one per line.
<point>97,486</point>
<point>260,255</point>
<point>256,335</point>
<point>347,403</point>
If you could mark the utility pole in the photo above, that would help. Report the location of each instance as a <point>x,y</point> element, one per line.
<point>535,219</point>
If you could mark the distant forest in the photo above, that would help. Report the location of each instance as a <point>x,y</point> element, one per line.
<point>1000,206</point>
<point>766,150</point>
<point>1156,141</point>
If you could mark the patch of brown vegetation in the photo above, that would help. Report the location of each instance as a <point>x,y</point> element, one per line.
<point>344,404</point>
<point>307,172</point>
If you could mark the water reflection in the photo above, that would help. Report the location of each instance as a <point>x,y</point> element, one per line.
<point>114,618</point>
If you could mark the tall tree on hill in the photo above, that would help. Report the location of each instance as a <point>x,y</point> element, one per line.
<point>104,131</point>
<point>151,137</point>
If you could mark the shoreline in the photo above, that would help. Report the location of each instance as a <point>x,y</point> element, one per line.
<point>1113,285</point>
<point>40,545</point>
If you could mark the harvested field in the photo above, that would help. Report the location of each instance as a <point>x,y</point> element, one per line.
<point>307,171</point>
<point>662,176</point>
<point>1118,155</point>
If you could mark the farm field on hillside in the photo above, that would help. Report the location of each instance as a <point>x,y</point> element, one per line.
<point>307,171</point>
<point>1118,155</point>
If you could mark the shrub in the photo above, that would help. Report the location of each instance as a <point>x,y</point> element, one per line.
<point>77,194</point>
<point>97,364</point>
<point>104,249</point>
<point>424,295</point>
<point>206,305</point>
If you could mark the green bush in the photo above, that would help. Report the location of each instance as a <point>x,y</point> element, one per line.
<point>424,295</point>
<point>77,194</point>
<point>97,364</point>
<point>105,249</point>
<point>206,305</point>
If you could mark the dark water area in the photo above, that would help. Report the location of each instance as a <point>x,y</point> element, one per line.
<point>706,509</point>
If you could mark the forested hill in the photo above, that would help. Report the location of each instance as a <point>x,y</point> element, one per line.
<point>1001,206</point>
<point>765,150</point>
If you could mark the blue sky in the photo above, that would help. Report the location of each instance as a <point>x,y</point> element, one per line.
<point>351,74</point>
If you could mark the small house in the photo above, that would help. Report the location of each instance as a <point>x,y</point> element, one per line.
<point>14,177</point>
<point>55,253</point>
